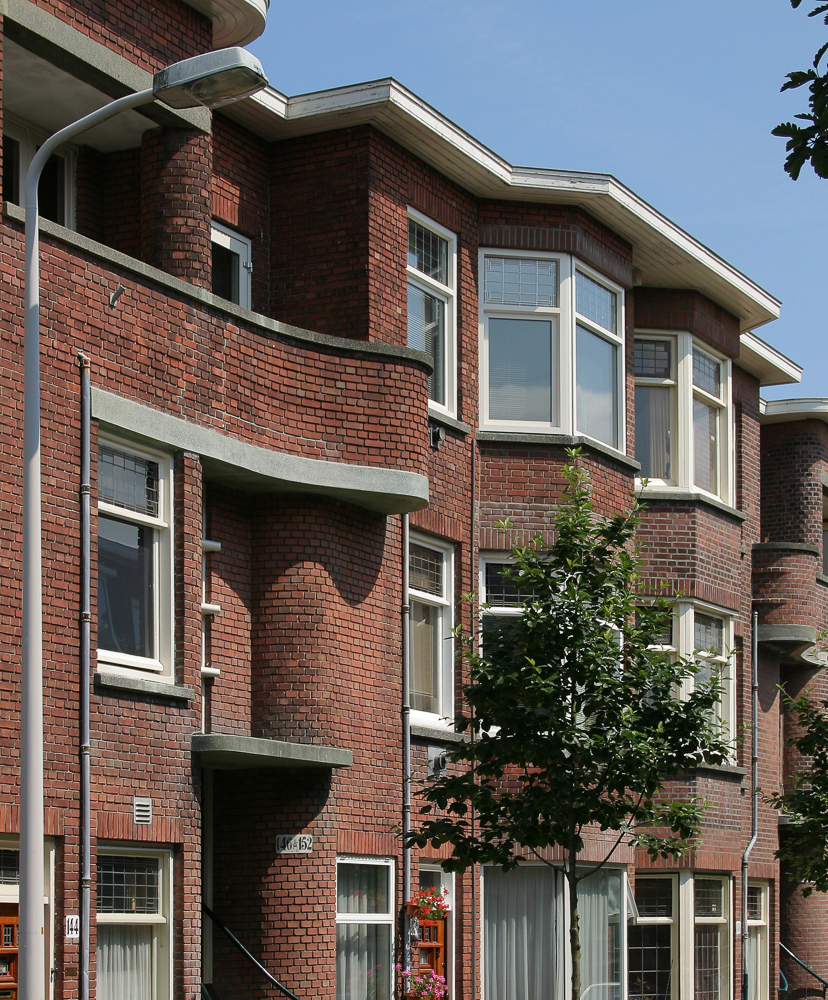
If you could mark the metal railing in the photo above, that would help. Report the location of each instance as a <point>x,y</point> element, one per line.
<point>252,958</point>
<point>823,987</point>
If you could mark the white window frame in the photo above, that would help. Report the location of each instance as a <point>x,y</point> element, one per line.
<point>448,294</point>
<point>683,480</point>
<point>446,882</point>
<point>760,926</point>
<point>672,921</point>
<point>162,663</point>
<point>726,709</point>
<point>566,318</point>
<point>444,718</point>
<point>161,922</point>
<point>690,921</point>
<point>11,894</point>
<point>31,138</point>
<point>240,245</point>
<point>388,918</point>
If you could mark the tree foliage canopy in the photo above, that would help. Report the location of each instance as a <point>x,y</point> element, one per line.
<point>809,141</point>
<point>805,846</point>
<point>575,717</point>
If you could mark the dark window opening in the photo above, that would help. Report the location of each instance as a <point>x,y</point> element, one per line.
<point>11,170</point>
<point>51,191</point>
<point>225,273</point>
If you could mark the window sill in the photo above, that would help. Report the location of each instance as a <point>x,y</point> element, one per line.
<point>725,770</point>
<point>822,578</point>
<point>566,440</point>
<point>453,424</point>
<point>691,496</point>
<point>438,734</point>
<point>786,547</point>
<point>142,685</point>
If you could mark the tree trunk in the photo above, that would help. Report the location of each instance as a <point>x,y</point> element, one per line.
<point>574,933</point>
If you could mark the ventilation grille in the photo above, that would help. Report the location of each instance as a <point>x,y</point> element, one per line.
<point>142,810</point>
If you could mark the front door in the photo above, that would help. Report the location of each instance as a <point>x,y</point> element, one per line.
<point>8,951</point>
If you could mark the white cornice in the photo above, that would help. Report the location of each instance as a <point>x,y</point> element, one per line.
<point>665,254</point>
<point>766,363</point>
<point>782,411</point>
<point>235,22</point>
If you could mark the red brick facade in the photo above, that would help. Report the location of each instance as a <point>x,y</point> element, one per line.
<point>299,438</point>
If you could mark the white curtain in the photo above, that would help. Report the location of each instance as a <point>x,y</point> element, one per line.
<point>124,962</point>
<point>599,907</point>
<point>362,962</point>
<point>523,934</point>
<point>754,962</point>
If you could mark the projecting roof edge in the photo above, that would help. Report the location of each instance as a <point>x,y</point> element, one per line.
<point>781,411</point>
<point>770,366</point>
<point>401,114</point>
<point>235,22</point>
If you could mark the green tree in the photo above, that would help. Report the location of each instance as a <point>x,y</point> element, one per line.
<point>575,719</point>
<point>805,847</point>
<point>809,141</point>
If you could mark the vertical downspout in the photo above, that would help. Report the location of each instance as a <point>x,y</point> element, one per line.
<point>754,790</point>
<point>474,625</point>
<point>85,628</point>
<point>406,724</point>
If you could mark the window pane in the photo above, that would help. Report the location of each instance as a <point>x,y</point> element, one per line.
<point>654,431</point>
<point>754,963</point>
<point>596,302</point>
<point>425,569</point>
<point>654,897</point>
<point>706,446</point>
<point>754,902</point>
<point>599,902</point>
<point>708,634</point>
<point>431,880</point>
<point>708,897</point>
<point>708,979</point>
<point>523,362</point>
<point>707,373</point>
<point>9,867</point>
<point>426,623</point>
<point>363,961</point>
<point>124,954</point>
<point>523,934</point>
<point>127,480</point>
<point>653,359</point>
<point>127,885</point>
<point>512,281</point>
<point>428,252</point>
<point>597,389</point>
<point>11,170</point>
<point>650,957</point>
<point>362,888</point>
<point>501,591</point>
<point>427,332</point>
<point>125,587</point>
<point>225,273</point>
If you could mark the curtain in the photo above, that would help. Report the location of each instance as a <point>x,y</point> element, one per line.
<point>363,960</point>
<point>425,657</point>
<point>754,962</point>
<point>599,906</point>
<point>705,446</point>
<point>523,374</point>
<point>427,332</point>
<point>597,388</point>
<point>523,934</point>
<point>653,438</point>
<point>124,962</point>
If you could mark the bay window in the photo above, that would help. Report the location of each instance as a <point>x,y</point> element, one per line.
<point>431,269</point>
<point>431,575</point>
<point>134,908</point>
<point>134,560</point>
<point>364,929</point>
<point>551,347</point>
<point>683,432</point>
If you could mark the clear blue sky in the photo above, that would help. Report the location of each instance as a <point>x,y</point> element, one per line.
<point>675,99</point>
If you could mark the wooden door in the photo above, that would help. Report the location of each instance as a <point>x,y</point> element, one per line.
<point>8,951</point>
<point>433,946</point>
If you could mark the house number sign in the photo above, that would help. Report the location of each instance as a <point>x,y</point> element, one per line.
<point>301,843</point>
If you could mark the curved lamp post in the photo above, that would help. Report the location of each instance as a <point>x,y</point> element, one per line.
<point>208,80</point>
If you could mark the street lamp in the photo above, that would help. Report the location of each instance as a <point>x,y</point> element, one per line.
<point>209,80</point>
